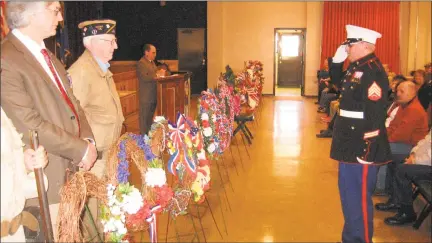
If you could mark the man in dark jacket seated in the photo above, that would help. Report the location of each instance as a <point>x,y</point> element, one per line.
<point>323,77</point>
<point>336,75</point>
<point>424,88</point>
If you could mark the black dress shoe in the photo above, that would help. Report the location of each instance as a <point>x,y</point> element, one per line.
<point>325,134</point>
<point>387,207</point>
<point>380,193</point>
<point>401,219</point>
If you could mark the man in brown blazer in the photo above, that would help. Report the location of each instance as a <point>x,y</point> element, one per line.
<point>94,87</point>
<point>36,94</point>
<point>147,74</point>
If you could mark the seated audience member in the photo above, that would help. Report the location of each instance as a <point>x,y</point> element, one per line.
<point>417,167</point>
<point>328,95</point>
<point>424,87</point>
<point>18,183</point>
<point>410,122</point>
<point>406,125</point>
<point>392,92</point>
<point>323,77</point>
<point>328,133</point>
<point>336,75</point>
<point>383,184</point>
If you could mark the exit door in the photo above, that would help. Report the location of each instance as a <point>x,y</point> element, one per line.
<point>290,58</point>
<point>192,56</point>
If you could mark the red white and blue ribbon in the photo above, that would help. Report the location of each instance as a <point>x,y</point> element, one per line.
<point>173,161</point>
<point>152,223</point>
<point>177,135</point>
<point>177,131</point>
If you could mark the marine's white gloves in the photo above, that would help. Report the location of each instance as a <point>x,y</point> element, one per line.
<point>340,55</point>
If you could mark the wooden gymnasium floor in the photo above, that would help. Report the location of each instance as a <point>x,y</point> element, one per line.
<point>285,192</point>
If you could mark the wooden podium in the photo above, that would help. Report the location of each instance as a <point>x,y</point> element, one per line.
<point>173,95</point>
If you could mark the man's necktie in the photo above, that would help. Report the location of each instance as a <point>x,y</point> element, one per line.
<point>60,86</point>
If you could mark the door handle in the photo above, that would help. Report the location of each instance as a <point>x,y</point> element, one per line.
<point>203,62</point>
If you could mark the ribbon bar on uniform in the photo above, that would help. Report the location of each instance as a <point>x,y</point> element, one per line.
<point>351,114</point>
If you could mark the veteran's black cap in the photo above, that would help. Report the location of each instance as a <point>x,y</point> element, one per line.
<point>97,27</point>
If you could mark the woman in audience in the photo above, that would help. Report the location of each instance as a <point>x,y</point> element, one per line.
<point>17,181</point>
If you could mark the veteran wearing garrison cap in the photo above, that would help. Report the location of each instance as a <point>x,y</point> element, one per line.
<point>360,141</point>
<point>94,87</point>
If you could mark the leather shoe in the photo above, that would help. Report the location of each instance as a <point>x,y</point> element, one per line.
<point>324,134</point>
<point>401,219</point>
<point>380,193</point>
<point>387,207</point>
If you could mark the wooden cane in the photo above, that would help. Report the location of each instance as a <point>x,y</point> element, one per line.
<point>42,195</point>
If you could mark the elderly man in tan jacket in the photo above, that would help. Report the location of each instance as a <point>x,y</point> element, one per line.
<point>94,87</point>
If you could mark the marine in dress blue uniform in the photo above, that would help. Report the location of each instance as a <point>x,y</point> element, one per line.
<point>360,141</point>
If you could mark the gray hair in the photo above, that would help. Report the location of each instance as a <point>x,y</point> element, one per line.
<point>87,40</point>
<point>18,13</point>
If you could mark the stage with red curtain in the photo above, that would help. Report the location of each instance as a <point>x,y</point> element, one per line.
<point>382,17</point>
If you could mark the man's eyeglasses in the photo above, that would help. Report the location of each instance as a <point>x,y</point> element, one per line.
<point>351,44</point>
<point>113,41</point>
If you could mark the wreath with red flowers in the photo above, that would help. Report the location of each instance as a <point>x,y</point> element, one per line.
<point>207,120</point>
<point>188,162</point>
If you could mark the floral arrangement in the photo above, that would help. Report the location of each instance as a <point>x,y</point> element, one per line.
<point>207,118</point>
<point>249,84</point>
<point>126,200</point>
<point>202,180</point>
<point>229,76</point>
<point>181,162</point>
<point>222,122</point>
<point>255,69</point>
<point>128,209</point>
<point>188,160</point>
<point>229,107</point>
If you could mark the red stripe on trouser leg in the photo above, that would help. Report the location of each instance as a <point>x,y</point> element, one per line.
<point>364,202</point>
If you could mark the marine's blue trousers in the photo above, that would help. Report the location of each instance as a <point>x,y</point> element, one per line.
<point>356,185</point>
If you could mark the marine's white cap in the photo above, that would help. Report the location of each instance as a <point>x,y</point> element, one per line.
<point>356,34</point>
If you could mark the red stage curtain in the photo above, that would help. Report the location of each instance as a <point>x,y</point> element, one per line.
<point>382,17</point>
